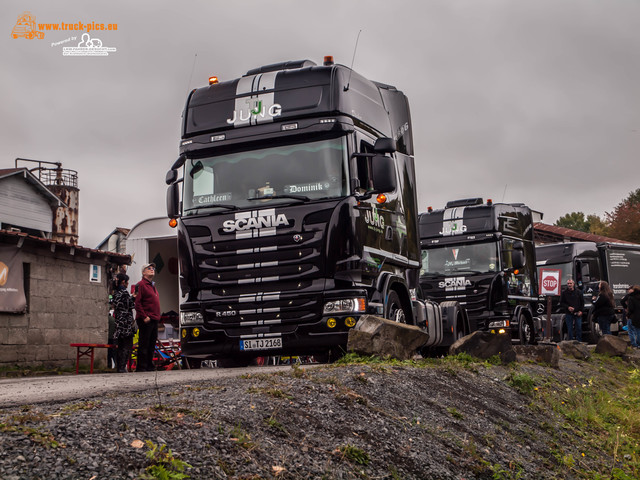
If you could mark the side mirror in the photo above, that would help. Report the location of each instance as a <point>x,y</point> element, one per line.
<point>172,176</point>
<point>173,200</point>
<point>383,174</point>
<point>384,145</point>
<point>517,258</point>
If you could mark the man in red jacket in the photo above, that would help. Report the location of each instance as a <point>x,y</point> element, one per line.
<point>147,318</point>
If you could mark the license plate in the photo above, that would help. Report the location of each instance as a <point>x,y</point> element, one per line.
<point>261,344</point>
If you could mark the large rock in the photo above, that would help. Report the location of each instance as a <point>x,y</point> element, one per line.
<point>485,345</point>
<point>545,354</point>
<point>612,346</point>
<point>574,349</point>
<point>377,336</point>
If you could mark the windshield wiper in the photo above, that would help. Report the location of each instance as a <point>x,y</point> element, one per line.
<point>213,205</point>
<point>302,198</point>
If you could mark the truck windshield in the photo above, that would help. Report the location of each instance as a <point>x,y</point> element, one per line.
<point>283,174</point>
<point>461,258</point>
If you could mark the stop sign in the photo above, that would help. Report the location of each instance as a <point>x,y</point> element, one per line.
<point>550,282</point>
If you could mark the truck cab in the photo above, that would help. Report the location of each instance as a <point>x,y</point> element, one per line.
<point>295,202</point>
<point>482,256</point>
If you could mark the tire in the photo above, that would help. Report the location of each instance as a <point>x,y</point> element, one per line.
<point>394,309</point>
<point>526,331</point>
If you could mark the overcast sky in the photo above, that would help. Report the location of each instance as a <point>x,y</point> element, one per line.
<point>534,101</point>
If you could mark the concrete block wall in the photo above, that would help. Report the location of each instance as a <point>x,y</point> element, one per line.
<point>63,307</point>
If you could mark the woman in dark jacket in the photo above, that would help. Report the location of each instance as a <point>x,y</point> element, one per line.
<point>125,325</point>
<point>603,308</point>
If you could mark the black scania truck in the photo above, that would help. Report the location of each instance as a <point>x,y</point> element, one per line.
<point>296,204</point>
<point>483,257</point>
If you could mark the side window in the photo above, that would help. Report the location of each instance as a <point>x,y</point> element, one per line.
<point>361,166</point>
<point>518,283</point>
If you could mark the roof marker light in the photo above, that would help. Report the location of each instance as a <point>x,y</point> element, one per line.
<point>489,201</point>
<point>213,80</point>
<point>328,60</point>
<point>429,209</point>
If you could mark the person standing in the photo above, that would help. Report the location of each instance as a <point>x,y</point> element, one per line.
<point>633,338</point>
<point>633,312</point>
<point>572,302</point>
<point>147,318</point>
<point>603,308</point>
<point>125,327</point>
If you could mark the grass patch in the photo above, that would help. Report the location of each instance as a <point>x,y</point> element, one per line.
<point>605,414</point>
<point>522,382</point>
<point>354,454</point>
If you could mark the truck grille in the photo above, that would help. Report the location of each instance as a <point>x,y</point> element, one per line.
<point>251,284</point>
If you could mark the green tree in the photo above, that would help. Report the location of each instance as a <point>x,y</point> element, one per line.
<point>624,221</point>
<point>574,221</point>
<point>577,221</point>
<point>597,226</point>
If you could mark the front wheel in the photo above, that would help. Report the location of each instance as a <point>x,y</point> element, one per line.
<point>527,333</point>
<point>395,311</point>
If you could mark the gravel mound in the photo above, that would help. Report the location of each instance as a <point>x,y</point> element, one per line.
<point>335,422</point>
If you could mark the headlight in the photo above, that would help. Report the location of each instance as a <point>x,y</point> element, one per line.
<point>347,305</point>
<point>500,324</point>
<point>191,318</point>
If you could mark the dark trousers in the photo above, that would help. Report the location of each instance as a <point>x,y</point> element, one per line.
<point>147,336</point>
<point>125,347</point>
<point>574,326</point>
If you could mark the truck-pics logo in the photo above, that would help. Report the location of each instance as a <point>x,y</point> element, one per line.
<point>26,27</point>
<point>265,221</point>
<point>454,284</point>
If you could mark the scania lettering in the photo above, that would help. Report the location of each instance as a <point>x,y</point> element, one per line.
<point>482,256</point>
<point>254,222</point>
<point>296,216</point>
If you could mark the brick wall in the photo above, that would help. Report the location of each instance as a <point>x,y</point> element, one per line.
<point>63,307</point>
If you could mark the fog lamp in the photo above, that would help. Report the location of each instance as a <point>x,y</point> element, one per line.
<point>331,322</point>
<point>350,322</point>
<point>195,332</point>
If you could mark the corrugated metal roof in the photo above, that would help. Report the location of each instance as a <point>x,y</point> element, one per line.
<point>567,233</point>
<point>20,238</point>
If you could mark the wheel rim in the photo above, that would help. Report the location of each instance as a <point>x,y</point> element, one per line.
<point>526,331</point>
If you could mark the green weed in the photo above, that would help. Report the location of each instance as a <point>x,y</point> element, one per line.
<point>164,466</point>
